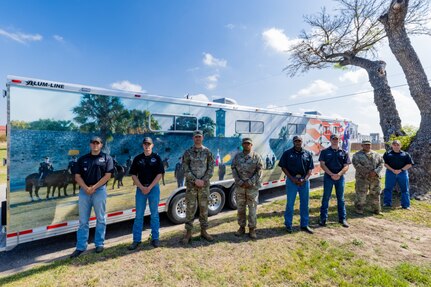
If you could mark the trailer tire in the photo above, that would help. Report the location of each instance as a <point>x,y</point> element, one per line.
<point>231,198</point>
<point>177,209</point>
<point>216,200</point>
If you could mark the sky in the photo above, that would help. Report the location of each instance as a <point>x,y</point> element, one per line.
<point>211,49</point>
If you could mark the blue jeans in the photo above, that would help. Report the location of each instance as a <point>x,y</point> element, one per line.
<point>98,201</point>
<point>304,193</point>
<point>141,203</point>
<point>403,182</point>
<point>328,184</point>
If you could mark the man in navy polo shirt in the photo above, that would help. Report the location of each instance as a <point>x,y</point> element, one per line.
<point>297,165</point>
<point>335,162</point>
<point>146,170</point>
<point>397,163</point>
<point>92,172</point>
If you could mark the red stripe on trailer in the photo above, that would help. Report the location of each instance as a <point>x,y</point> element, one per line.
<point>115,213</point>
<point>28,231</point>
<point>162,204</point>
<point>56,225</point>
<point>12,235</point>
<point>274,181</point>
<point>134,210</point>
<point>265,183</point>
<point>17,81</point>
<point>92,218</point>
<point>283,179</point>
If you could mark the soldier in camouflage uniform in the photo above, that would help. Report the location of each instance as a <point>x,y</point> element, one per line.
<point>247,173</point>
<point>368,165</point>
<point>198,169</point>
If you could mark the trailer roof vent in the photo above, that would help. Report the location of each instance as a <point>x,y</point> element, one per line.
<point>228,101</point>
<point>313,113</point>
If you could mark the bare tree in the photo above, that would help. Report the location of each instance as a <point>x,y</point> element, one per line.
<point>396,24</point>
<point>350,38</point>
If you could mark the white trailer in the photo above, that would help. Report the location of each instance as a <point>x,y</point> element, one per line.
<point>53,121</point>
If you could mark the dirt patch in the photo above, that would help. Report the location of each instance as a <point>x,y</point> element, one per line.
<point>382,241</point>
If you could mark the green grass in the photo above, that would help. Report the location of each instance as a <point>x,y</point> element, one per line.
<point>334,256</point>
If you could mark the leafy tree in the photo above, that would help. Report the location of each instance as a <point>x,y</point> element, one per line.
<point>184,124</point>
<point>97,113</point>
<point>21,125</point>
<point>410,133</point>
<point>396,23</point>
<point>207,125</point>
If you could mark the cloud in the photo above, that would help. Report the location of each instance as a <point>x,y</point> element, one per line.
<point>198,97</point>
<point>21,37</point>
<point>354,76</point>
<point>318,87</point>
<point>212,61</point>
<point>231,26</point>
<point>407,108</point>
<point>58,38</point>
<point>277,40</point>
<point>212,81</point>
<point>127,86</point>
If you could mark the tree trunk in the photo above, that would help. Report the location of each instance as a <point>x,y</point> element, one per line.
<point>390,120</point>
<point>420,90</point>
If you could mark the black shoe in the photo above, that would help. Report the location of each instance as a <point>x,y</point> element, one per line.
<point>289,229</point>
<point>322,223</point>
<point>76,253</point>
<point>307,229</point>
<point>155,243</point>
<point>99,249</point>
<point>344,223</point>
<point>134,245</point>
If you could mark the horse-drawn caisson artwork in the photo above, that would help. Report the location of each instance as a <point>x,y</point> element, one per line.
<point>50,124</point>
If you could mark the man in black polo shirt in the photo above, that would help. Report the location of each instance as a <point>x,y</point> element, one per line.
<point>92,171</point>
<point>335,162</point>
<point>297,165</point>
<point>146,170</point>
<point>397,162</point>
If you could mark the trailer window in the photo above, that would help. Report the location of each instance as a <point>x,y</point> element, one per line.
<point>296,129</point>
<point>169,123</point>
<point>249,127</point>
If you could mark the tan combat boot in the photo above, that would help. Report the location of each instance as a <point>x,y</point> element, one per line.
<point>187,237</point>
<point>206,236</point>
<point>252,233</point>
<point>240,232</point>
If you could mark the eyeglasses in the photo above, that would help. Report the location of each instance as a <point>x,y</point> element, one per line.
<point>95,142</point>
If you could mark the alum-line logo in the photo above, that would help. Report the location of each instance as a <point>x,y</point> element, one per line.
<point>44,84</point>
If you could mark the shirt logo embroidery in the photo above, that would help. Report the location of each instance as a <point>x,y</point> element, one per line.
<point>153,159</point>
<point>101,159</point>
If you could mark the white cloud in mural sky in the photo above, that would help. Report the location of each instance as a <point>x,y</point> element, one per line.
<point>127,86</point>
<point>21,37</point>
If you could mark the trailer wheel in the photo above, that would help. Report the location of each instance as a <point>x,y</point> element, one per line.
<point>231,199</point>
<point>216,200</point>
<point>177,209</point>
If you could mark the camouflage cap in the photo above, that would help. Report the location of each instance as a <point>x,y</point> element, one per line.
<point>247,140</point>
<point>366,142</point>
<point>198,133</point>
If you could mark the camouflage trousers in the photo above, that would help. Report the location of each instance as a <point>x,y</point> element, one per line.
<point>362,187</point>
<point>247,197</point>
<point>197,196</point>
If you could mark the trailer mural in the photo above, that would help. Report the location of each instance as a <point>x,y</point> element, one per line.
<point>50,129</point>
